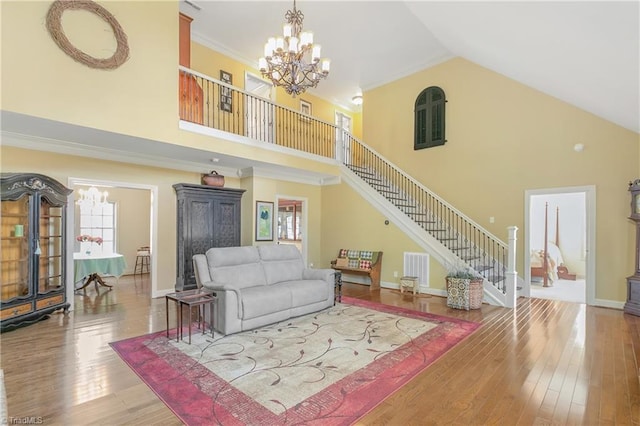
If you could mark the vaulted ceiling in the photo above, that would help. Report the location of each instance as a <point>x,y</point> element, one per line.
<point>582,52</point>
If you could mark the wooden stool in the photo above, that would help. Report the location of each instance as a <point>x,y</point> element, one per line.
<point>409,282</point>
<point>143,259</point>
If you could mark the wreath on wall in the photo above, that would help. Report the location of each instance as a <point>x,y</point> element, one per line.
<point>54,25</point>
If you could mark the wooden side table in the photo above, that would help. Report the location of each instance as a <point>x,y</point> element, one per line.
<point>337,287</point>
<point>190,299</point>
<point>407,281</point>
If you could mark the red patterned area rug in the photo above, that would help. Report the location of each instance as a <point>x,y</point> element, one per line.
<point>328,368</point>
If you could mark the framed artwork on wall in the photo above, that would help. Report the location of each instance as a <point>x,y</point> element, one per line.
<point>305,107</point>
<point>225,92</point>
<point>264,221</point>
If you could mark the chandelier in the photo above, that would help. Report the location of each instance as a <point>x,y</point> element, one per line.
<point>292,61</point>
<point>92,198</point>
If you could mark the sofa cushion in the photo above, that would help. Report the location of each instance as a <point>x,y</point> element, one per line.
<point>259,301</point>
<point>232,256</point>
<point>281,263</point>
<point>306,292</point>
<point>236,265</point>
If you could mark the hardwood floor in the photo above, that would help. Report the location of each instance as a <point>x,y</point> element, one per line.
<point>549,362</point>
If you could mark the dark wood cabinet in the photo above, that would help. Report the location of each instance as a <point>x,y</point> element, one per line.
<point>207,217</point>
<point>33,252</point>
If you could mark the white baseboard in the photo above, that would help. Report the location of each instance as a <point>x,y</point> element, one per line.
<point>604,303</point>
<point>396,286</point>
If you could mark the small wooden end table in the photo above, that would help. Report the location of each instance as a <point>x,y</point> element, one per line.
<point>191,299</point>
<point>409,282</point>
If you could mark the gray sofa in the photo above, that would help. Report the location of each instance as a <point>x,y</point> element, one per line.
<point>261,285</point>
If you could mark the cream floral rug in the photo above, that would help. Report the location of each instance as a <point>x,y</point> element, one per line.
<point>330,367</point>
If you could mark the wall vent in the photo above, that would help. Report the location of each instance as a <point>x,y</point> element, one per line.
<point>417,265</point>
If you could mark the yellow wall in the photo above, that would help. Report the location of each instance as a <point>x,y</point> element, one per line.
<point>210,62</point>
<point>504,138</point>
<point>348,221</point>
<point>139,98</point>
<point>40,79</point>
<point>265,189</point>
<point>61,167</point>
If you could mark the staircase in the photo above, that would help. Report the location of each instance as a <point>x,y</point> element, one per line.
<point>430,221</point>
<point>463,240</point>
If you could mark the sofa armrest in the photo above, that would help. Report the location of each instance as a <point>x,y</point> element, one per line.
<point>201,269</point>
<point>220,287</point>
<point>216,286</point>
<point>319,274</point>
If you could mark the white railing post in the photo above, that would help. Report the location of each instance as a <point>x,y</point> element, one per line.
<point>339,145</point>
<point>511,279</point>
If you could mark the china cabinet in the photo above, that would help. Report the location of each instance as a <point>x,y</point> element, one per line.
<point>633,282</point>
<point>207,216</point>
<point>32,255</point>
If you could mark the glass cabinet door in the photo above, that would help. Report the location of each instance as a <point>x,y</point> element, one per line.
<point>50,244</point>
<point>14,252</point>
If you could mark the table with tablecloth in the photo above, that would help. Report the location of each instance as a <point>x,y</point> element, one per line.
<point>92,265</point>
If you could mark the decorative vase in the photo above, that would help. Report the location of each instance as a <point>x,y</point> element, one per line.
<point>213,179</point>
<point>464,293</point>
<point>85,247</point>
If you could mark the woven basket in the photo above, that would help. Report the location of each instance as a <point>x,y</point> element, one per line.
<point>464,293</point>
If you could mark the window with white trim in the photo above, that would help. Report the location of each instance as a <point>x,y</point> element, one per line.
<point>98,221</point>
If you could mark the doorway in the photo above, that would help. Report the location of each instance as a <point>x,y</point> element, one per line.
<point>259,110</point>
<point>560,236</point>
<point>343,128</point>
<point>292,223</point>
<point>148,218</point>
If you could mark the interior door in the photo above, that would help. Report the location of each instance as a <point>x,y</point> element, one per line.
<point>259,111</point>
<point>568,216</point>
<point>291,223</point>
<point>343,124</point>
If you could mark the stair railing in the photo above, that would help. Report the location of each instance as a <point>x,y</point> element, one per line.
<point>478,248</point>
<point>212,103</point>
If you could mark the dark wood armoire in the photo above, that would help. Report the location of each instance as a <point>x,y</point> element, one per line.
<point>207,217</point>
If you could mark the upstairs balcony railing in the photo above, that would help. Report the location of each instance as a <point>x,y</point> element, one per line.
<point>215,104</point>
<point>220,106</point>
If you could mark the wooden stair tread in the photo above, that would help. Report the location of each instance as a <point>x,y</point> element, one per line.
<point>459,248</point>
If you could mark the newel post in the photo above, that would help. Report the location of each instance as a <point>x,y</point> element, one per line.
<point>511,274</point>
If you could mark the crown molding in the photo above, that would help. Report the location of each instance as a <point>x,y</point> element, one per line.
<point>57,146</point>
<point>38,143</point>
<point>288,176</point>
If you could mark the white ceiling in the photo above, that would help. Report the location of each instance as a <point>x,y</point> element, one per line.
<point>583,52</point>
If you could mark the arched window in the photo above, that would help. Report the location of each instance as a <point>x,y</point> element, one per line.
<point>429,118</point>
